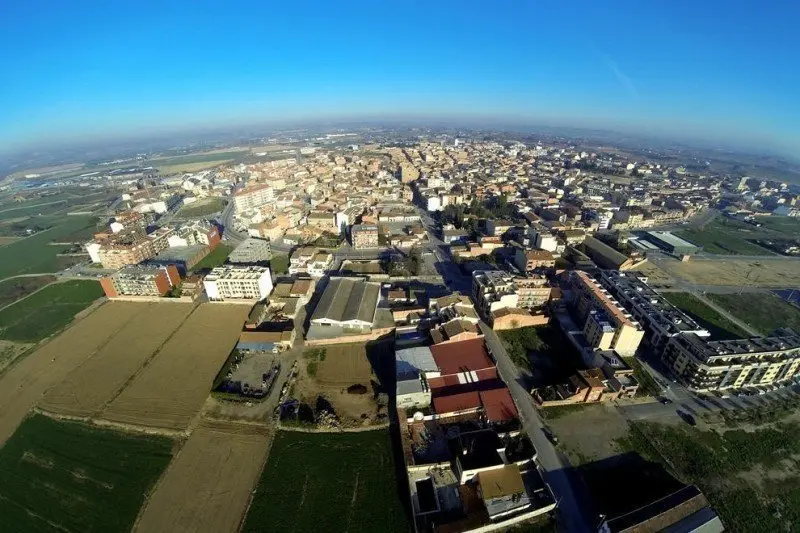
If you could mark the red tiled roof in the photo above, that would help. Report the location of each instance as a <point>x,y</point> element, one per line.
<point>464,356</point>
<point>498,405</point>
<point>456,402</point>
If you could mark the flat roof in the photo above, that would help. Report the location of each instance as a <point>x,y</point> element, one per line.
<point>462,356</point>
<point>672,240</point>
<point>412,360</point>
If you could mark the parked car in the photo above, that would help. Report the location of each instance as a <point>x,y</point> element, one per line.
<point>664,401</point>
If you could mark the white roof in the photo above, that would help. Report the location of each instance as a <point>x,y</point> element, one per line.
<point>415,360</point>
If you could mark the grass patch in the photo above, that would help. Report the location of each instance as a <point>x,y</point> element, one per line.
<point>647,385</point>
<point>34,254</point>
<point>279,264</point>
<point>558,411</point>
<point>216,258</point>
<point>47,311</point>
<point>519,342</point>
<point>202,208</point>
<point>15,289</point>
<point>764,312</point>
<point>544,350</point>
<point>720,327</point>
<point>726,236</point>
<point>313,358</point>
<point>331,482</point>
<point>69,476</point>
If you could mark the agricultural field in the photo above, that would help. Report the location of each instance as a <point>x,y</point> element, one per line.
<point>68,476</point>
<point>172,388</point>
<point>333,482</point>
<point>87,389</point>
<point>195,162</point>
<point>8,240</point>
<point>216,258</point>
<point>15,289</point>
<point>34,254</point>
<point>778,272</point>
<point>764,312</point>
<point>215,496</point>
<point>726,236</point>
<point>24,383</point>
<point>42,314</point>
<point>202,208</point>
<point>720,327</point>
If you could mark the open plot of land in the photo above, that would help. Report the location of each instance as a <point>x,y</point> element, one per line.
<point>720,327</point>
<point>87,390</point>
<point>778,272</point>
<point>344,364</point>
<point>588,433</point>
<point>214,496</point>
<point>23,384</point>
<point>170,390</point>
<point>12,290</point>
<point>8,240</point>
<point>45,312</point>
<point>202,208</point>
<point>333,482</point>
<point>216,258</point>
<point>195,162</point>
<point>764,312</point>
<point>726,236</point>
<point>67,476</point>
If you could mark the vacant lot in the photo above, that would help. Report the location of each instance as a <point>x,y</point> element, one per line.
<point>216,258</point>
<point>344,364</point>
<point>34,255</point>
<point>170,391</point>
<point>23,384</point>
<point>202,208</point>
<point>764,312</point>
<point>726,236</point>
<point>12,290</point>
<point>588,433</point>
<point>67,476</point>
<point>215,496</point>
<point>720,327</point>
<point>333,482</point>
<point>87,390</point>
<point>778,272</point>
<point>47,311</point>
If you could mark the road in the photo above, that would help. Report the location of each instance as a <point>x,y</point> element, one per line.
<point>573,501</point>
<point>229,228</point>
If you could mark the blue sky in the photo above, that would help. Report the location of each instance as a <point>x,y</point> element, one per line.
<point>720,70</point>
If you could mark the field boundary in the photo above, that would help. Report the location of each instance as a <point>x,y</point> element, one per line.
<point>298,429</point>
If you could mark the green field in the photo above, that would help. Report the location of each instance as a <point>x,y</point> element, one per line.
<point>12,290</point>
<point>749,477</point>
<point>216,258</point>
<point>279,264</point>
<point>726,236</point>
<point>332,482</point>
<point>68,476</point>
<point>202,208</point>
<point>34,255</point>
<point>720,327</point>
<point>764,312</point>
<point>196,158</point>
<point>47,311</point>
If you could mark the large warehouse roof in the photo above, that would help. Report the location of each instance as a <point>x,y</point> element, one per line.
<point>348,299</point>
<point>671,239</point>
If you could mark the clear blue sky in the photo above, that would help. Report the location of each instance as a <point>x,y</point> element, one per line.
<point>79,70</point>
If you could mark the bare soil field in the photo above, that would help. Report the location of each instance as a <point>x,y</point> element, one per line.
<point>589,434</point>
<point>207,486</point>
<point>170,391</point>
<point>24,383</point>
<point>654,274</point>
<point>777,272</point>
<point>87,389</point>
<point>344,365</point>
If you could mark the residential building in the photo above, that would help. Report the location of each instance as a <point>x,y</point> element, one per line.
<point>495,289</point>
<point>140,280</point>
<point>514,317</point>
<point>531,260</point>
<point>364,236</point>
<point>232,282</point>
<point>252,197</point>
<point>131,248</point>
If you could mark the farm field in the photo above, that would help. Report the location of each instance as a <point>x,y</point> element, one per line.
<point>22,385</point>
<point>720,327</point>
<point>8,240</point>
<point>12,290</point>
<point>778,272</point>
<point>68,476</point>
<point>216,258</point>
<point>343,365</point>
<point>213,497</point>
<point>195,162</point>
<point>726,236</point>
<point>47,311</point>
<point>764,312</point>
<point>87,389</point>
<point>34,254</point>
<point>170,391</point>
<point>333,482</point>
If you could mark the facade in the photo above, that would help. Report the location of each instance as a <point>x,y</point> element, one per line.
<point>251,251</point>
<point>495,289</point>
<point>131,248</point>
<point>364,236</point>
<point>530,260</point>
<point>138,280</point>
<point>238,283</point>
<point>252,197</point>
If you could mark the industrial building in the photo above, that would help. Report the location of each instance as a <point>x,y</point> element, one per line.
<point>251,251</point>
<point>672,244</point>
<point>139,280</point>
<point>348,304</point>
<point>238,283</point>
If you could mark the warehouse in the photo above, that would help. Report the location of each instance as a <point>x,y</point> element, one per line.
<point>347,303</point>
<point>672,244</point>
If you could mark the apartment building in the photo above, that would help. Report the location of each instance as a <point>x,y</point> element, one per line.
<point>606,324</point>
<point>238,283</point>
<point>323,220</point>
<point>252,197</point>
<point>530,260</point>
<point>311,261</point>
<point>710,365</point>
<point>495,289</point>
<point>364,236</point>
<point>131,248</point>
<point>139,280</point>
<point>198,232</point>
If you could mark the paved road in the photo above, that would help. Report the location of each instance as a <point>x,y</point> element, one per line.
<point>230,234</point>
<point>573,502</point>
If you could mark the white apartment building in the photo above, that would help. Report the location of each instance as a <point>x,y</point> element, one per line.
<point>238,283</point>
<point>252,197</point>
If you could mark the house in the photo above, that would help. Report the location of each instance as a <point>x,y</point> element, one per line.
<point>454,330</point>
<point>514,317</point>
<point>503,491</point>
<point>460,363</point>
<point>531,260</point>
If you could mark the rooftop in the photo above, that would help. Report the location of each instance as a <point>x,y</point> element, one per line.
<point>462,356</point>
<point>348,299</point>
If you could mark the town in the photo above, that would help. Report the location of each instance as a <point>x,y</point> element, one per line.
<point>437,332</point>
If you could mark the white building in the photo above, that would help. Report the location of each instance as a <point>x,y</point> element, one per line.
<point>252,197</point>
<point>546,242</point>
<point>94,251</point>
<point>434,203</point>
<point>238,283</point>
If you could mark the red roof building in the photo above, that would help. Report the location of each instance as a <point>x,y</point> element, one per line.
<point>498,405</point>
<point>455,403</point>
<point>465,356</point>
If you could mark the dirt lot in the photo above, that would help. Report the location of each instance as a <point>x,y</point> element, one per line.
<point>214,496</point>
<point>25,383</point>
<point>344,365</point>
<point>10,351</point>
<point>588,434</point>
<point>778,272</point>
<point>87,390</point>
<point>171,390</point>
<point>654,274</point>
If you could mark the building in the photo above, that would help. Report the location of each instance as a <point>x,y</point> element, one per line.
<point>671,243</point>
<point>251,251</point>
<point>513,318</point>
<point>348,305</point>
<point>530,260</point>
<point>607,325</point>
<point>232,282</point>
<point>266,341</point>
<point>461,364</point>
<point>131,248</point>
<point>454,330</point>
<point>196,233</point>
<point>139,280</point>
<point>585,386</point>
<point>364,236</point>
<point>252,197</point>
<point>494,289</point>
<point>503,491</point>
<point>323,220</point>
<point>710,365</point>
<point>605,256</point>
